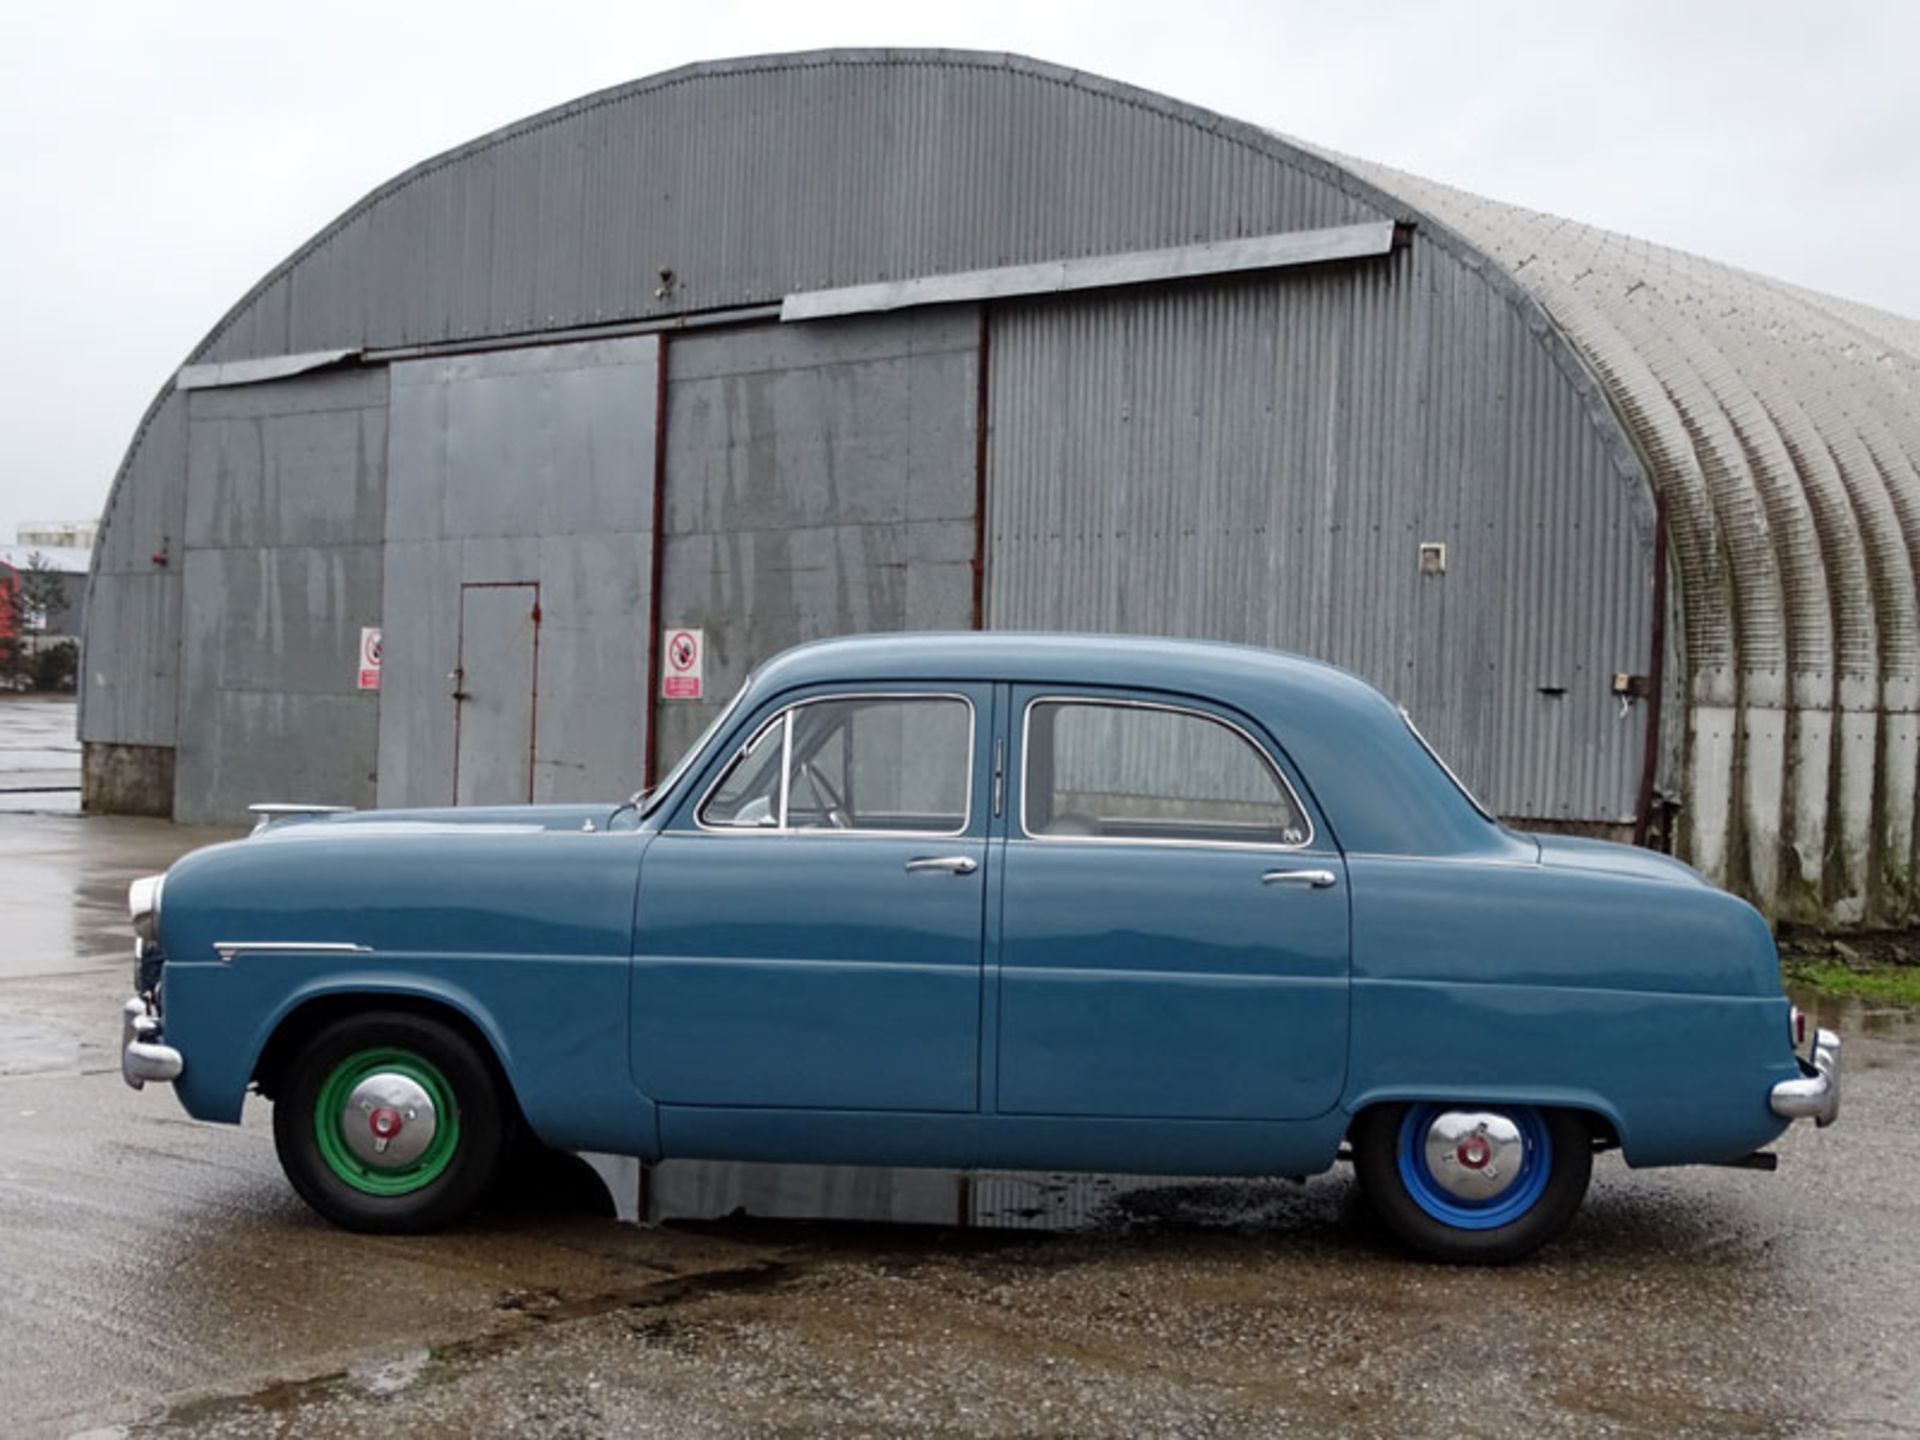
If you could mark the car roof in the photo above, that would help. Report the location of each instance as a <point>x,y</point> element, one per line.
<point>1144,661</point>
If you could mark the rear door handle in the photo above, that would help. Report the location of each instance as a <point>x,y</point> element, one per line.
<point>1318,879</point>
<point>951,864</point>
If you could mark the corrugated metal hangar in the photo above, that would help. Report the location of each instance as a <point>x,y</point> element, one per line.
<point>807,345</point>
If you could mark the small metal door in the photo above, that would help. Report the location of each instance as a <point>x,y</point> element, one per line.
<point>495,686</point>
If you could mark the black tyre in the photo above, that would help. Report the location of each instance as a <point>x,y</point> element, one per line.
<point>390,1122</point>
<point>1472,1184</point>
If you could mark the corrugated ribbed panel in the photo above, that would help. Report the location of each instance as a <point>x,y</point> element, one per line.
<point>133,594</point>
<point>1780,426</point>
<point>1262,461</point>
<point>754,180</point>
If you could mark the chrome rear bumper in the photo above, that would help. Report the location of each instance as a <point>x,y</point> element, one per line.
<point>1815,1095</point>
<point>142,1055</point>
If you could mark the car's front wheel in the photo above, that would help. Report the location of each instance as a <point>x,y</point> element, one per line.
<point>1476,1184</point>
<point>389,1122</point>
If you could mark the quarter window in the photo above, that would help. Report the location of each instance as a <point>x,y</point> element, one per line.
<point>874,763</point>
<point>1112,771</point>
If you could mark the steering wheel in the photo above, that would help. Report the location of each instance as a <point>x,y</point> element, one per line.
<point>836,809</point>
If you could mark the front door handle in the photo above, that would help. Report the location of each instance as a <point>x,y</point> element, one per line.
<point>1318,879</point>
<point>951,864</point>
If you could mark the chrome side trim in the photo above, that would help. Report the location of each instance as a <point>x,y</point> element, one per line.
<point>1118,703</point>
<point>1814,1096</point>
<point>227,949</point>
<point>1495,860</point>
<point>784,717</point>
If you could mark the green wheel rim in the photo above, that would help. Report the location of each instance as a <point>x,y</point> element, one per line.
<point>328,1123</point>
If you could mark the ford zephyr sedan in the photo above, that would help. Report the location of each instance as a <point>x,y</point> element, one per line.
<point>999,901</point>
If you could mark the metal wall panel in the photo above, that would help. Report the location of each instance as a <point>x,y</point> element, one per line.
<point>130,661</point>
<point>528,466</point>
<point>820,481</point>
<point>269,710</point>
<point>280,568</point>
<point>1261,462</point>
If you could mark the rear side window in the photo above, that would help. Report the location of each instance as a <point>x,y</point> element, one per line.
<point>1110,770</point>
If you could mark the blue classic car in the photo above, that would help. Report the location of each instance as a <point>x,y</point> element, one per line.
<point>985,900</point>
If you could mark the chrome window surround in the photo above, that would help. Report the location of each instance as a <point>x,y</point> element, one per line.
<point>784,718</point>
<point>1115,703</point>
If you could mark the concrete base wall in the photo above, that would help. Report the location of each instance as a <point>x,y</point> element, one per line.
<point>126,779</point>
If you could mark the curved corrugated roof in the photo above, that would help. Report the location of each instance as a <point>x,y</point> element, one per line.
<point>1779,427</point>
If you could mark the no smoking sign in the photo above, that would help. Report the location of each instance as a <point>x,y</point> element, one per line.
<point>684,674</point>
<point>370,658</point>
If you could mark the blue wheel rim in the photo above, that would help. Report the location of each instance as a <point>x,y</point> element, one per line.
<point>1536,1167</point>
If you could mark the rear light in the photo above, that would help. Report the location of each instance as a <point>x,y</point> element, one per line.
<point>1798,1031</point>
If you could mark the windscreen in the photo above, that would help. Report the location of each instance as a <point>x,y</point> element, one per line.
<point>652,797</point>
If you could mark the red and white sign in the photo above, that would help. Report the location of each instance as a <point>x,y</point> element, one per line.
<point>683,675</point>
<point>370,657</point>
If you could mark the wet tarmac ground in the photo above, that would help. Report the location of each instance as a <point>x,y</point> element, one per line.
<point>158,1277</point>
<point>39,756</point>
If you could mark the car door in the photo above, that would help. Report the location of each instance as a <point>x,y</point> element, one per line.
<point>1174,938</point>
<point>809,927</point>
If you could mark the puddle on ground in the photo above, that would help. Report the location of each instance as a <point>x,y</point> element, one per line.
<point>1859,1015</point>
<point>33,1047</point>
<point>390,1376</point>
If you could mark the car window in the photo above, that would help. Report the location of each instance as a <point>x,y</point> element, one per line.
<point>1119,771</point>
<point>748,796</point>
<point>872,763</point>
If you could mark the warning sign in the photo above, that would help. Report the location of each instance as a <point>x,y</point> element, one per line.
<point>370,657</point>
<point>682,676</point>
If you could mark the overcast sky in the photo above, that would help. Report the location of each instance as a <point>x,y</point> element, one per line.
<point>161,157</point>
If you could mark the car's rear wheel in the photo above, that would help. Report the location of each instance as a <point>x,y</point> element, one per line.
<point>390,1122</point>
<point>1473,1184</point>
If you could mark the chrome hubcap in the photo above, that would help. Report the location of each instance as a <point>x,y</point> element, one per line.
<point>1474,1154</point>
<point>388,1120</point>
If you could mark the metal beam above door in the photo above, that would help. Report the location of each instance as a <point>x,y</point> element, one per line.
<point>1099,272</point>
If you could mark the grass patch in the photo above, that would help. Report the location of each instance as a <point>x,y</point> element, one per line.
<point>1891,982</point>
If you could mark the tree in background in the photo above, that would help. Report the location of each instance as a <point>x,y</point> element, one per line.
<point>33,597</point>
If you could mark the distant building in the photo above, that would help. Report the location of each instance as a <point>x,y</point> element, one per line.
<point>797,346</point>
<point>66,621</point>
<point>59,534</point>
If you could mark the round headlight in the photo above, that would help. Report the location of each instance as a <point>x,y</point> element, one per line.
<point>143,906</point>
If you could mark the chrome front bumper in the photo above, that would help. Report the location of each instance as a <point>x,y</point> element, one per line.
<point>142,1055</point>
<point>1815,1095</point>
